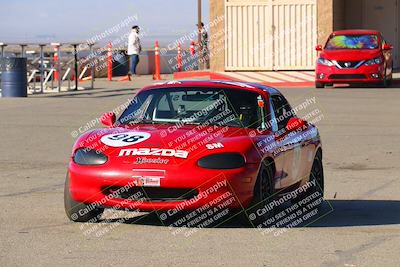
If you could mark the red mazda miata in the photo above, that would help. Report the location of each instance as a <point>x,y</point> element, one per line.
<point>354,56</point>
<point>187,145</point>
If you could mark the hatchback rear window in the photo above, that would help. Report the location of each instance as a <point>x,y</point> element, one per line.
<point>352,42</point>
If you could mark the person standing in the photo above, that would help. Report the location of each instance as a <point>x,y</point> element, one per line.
<point>134,49</point>
<point>204,61</point>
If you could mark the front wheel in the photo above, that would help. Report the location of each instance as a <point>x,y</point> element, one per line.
<point>261,209</point>
<point>319,85</point>
<point>77,211</point>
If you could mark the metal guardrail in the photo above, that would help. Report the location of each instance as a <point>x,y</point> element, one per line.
<point>56,65</point>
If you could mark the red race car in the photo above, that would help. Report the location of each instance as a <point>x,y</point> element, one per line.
<point>354,56</point>
<point>195,145</point>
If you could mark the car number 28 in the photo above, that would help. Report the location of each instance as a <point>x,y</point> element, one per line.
<point>124,139</point>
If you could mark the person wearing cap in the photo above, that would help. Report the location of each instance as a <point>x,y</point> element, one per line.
<point>134,49</point>
<point>204,52</point>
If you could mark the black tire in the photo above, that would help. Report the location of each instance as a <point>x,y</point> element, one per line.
<point>319,85</point>
<point>317,175</point>
<point>263,196</point>
<point>77,211</point>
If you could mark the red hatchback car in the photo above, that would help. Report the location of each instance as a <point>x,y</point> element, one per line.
<point>354,56</point>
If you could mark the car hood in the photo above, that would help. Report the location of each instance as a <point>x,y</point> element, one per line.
<point>350,55</point>
<point>167,141</point>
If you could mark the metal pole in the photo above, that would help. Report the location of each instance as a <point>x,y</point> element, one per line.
<point>34,82</point>
<point>52,79</point>
<point>92,65</point>
<point>2,45</point>
<point>69,81</point>
<point>76,65</point>
<point>199,29</point>
<point>41,67</point>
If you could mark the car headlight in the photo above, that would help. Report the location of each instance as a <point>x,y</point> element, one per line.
<point>89,157</point>
<point>224,161</point>
<point>375,61</point>
<point>325,62</point>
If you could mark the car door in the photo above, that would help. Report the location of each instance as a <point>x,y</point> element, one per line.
<point>289,150</point>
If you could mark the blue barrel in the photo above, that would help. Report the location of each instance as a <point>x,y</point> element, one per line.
<point>13,77</point>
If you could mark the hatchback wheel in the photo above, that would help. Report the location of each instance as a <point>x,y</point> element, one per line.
<point>260,210</point>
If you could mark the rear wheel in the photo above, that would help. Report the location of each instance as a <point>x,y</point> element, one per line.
<point>316,180</point>
<point>77,211</point>
<point>317,175</point>
<point>319,85</point>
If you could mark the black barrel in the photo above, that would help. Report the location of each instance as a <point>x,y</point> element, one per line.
<point>120,64</point>
<point>13,77</point>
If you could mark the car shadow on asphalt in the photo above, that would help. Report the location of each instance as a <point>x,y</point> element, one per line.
<point>334,213</point>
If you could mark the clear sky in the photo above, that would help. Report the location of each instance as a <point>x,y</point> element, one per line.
<point>73,20</point>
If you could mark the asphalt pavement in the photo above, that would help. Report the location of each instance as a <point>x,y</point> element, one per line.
<point>359,224</point>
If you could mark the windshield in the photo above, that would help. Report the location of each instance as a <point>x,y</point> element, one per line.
<point>202,106</point>
<point>352,42</point>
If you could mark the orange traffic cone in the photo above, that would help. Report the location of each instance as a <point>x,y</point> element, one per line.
<point>192,51</point>
<point>157,75</point>
<point>179,58</point>
<point>192,48</point>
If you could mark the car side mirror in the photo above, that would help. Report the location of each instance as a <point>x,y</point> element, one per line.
<point>295,124</point>
<point>108,119</point>
<point>387,47</point>
<point>318,48</point>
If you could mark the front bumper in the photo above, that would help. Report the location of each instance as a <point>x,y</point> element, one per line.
<point>109,188</point>
<point>362,74</point>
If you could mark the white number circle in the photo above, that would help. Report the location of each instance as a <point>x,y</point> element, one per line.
<point>124,139</point>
